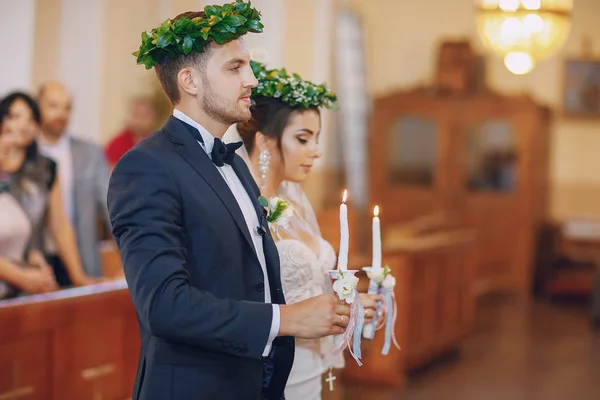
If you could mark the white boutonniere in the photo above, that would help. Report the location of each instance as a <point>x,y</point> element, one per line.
<point>345,286</point>
<point>279,211</point>
<point>381,276</point>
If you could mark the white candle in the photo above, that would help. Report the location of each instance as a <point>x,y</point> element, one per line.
<point>344,235</point>
<point>376,261</point>
<point>369,330</point>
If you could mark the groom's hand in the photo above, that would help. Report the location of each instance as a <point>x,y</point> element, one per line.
<point>314,318</point>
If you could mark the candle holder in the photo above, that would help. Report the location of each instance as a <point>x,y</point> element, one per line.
<point>333,273</point>
<point>370,269</point>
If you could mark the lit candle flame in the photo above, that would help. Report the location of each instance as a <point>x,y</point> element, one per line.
<point>376,211</point>
<point>345,196</point>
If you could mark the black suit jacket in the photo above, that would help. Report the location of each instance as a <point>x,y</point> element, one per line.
<point>193,273</point>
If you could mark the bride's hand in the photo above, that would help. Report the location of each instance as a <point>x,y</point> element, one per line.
<point>369,302</point>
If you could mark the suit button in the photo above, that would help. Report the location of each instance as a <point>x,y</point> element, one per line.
<point>260,286</point>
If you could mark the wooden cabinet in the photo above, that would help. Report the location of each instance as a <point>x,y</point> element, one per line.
<point>479,157</point>
<point>78,343</point>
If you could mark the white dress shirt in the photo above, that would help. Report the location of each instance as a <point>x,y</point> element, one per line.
<point>60,152</point>
<point>243,199</point>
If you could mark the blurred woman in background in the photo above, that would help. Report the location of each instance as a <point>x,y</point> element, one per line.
<point>34,183</point>
<point>16,230</point>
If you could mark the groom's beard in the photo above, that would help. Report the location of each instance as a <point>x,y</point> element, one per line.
<point>220,109</point>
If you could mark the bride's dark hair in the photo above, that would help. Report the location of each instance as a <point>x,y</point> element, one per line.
<point>269,116</point>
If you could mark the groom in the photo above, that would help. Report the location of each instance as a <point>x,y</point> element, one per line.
<point>202,268</point>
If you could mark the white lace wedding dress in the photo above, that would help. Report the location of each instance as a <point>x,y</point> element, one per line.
<point>305,258</point>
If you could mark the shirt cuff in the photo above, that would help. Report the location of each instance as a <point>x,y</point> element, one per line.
<point>274,329</point>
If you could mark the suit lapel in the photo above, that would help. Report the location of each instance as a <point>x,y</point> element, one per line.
<point>195,155</point>
<point>261,213</point>
<point>270,250</point>
<point>273,269</point>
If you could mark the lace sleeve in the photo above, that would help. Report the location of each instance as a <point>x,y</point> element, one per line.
<point>297,263</point>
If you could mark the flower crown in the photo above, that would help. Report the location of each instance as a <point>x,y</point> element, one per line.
<point>183,36</point>
<point>291,89</point>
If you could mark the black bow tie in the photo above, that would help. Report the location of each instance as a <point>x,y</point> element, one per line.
<point>223,153</point>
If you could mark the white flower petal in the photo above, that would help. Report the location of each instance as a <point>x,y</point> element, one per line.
<point>389,282</point>
<point>288,213</point>
<point>283,221</point>
<point>337,288</point>
<point>350,299</point>
<point>376,275</point>
<point>273,203</point>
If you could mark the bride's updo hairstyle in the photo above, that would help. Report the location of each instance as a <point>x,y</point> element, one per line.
<point>276,99</point>
<point>269,116</point>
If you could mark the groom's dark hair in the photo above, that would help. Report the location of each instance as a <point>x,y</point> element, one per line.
<point>167,70</point>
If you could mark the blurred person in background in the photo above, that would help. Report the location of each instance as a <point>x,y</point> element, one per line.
<point>17,273</point>
<point>83,173</point>
<point>140,123</point>
<point>35,184</point>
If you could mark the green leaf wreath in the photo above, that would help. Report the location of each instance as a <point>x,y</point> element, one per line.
<point>183,36</point>
<point>291,89</point>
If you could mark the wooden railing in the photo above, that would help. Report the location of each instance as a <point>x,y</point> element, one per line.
<point>435,278</point>
<point>80,343</point>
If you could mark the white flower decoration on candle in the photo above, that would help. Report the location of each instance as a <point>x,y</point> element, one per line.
<point>377,275</point>
<point>388,282</point>
<point>345,286</point>
<point>380,275</point>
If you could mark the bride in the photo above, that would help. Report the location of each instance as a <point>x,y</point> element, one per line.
<point>281,145</point>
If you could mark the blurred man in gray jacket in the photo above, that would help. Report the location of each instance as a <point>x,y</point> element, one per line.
<point>84,175</point>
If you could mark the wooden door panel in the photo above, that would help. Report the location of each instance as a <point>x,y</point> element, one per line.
<point>25,368</point>
<point>408,157</point>
<point>495,176</point>
<point>95,353</point>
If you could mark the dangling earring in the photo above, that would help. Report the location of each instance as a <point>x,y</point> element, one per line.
<point>264,159</point>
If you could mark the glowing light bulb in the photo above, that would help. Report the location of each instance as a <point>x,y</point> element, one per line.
<point>518,62</point>
<point>511,29</point>
<point>533,23</point>
<point>508,5</point>
<point>532,4</point>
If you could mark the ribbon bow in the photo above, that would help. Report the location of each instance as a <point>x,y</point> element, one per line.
<point>351,338</point>
<point>223,153</point>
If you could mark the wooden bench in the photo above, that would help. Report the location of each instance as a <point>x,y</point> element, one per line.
<point>80,343</point>
<point>435,279</point>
